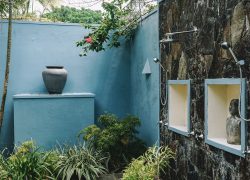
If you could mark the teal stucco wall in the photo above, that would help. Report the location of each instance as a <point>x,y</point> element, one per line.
<point>36,45</point>
<point>145,88</point>
<point>114,76</point>
<point>52,119</point>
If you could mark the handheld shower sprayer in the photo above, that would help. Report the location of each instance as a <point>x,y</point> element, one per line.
<point>226,46</point>
<point>240,63</point>
<point>156,60</point>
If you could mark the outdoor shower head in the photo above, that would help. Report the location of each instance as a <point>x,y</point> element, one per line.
<point>225,45</point>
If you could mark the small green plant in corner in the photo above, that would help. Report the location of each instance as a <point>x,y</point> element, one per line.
<point>149,165</point>
<point>116,137</point>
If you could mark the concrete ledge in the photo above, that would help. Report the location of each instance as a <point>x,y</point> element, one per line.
<point>47,96</point>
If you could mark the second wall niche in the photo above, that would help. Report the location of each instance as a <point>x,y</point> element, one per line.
<point>179,106</point>
<point>218,95</point>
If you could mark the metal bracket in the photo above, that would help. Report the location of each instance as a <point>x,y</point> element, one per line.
<point>191,133</point>
<point>165,124</point>
<point>168,39</point>
<point>246,151</point>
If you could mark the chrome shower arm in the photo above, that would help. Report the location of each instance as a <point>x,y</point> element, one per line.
<point>181,32</point>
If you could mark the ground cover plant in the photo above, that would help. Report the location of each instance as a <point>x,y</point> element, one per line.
<point>26,162</point>
<point>80,162</point>
<point>115,137</point>
<point>29,162</point>
<point>149,165</point>
<point>110,146</point>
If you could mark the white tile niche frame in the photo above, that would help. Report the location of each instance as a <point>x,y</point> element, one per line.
<point>179,106</point>
<point>218,95</point>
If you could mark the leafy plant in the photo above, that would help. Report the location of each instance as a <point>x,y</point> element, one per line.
<point>4,6</point>
<point>73,15</point>
<point>24,148</point>
<point>149,165</point>
<point>52,159</point>
<point>25,163</point>
<point>81,162</point>
<point>119,20</point>
<point>117,137</point>
<point>3,172</point>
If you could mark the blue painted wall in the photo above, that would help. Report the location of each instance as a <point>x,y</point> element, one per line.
<point>52,119</point>
<point>36,45</point>
<point>114,75</point>
<point>145,88</point>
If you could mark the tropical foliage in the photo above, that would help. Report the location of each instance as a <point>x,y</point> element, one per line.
<point>22,10</point>
<point>116,137</point>
<point>4,6</point>
<point>120,19</point>
<point>30,162</point>
<point>73,15</point>
<point>149,165</point>
<point>80,162</point>
<point>26,163</point>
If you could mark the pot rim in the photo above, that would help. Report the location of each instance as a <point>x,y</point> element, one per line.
<point>55,67</point>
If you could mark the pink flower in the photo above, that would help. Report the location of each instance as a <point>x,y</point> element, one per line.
<point>88,40</point>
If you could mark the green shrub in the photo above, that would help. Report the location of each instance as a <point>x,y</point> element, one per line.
<point>25,163</point>
<point>149,165</point>
<point>52,159</point>
<point>81,162</point>
<point>117,137</point>
<point>28,162</point>
<point>73,15</point>
<point>3,172</point>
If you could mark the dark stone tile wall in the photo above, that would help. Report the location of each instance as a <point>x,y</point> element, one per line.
<point>198,57</point>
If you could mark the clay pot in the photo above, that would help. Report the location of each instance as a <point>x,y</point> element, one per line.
<point>54,78</point>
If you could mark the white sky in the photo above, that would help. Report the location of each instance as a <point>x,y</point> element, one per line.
<point>89,4</point>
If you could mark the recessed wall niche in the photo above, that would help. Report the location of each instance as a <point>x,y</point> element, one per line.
<point>218,95</point>
<point>179,106</point>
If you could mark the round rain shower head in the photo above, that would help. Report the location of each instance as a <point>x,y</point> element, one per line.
<point>225,45</point>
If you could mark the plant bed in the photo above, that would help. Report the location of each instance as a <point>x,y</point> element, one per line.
<point>113,176</point>
<point>116,138</point>
<point>150,165</point>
